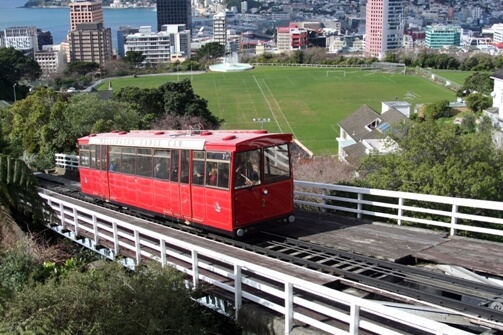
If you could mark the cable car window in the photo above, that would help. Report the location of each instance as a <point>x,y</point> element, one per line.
<point>84,156</point>
<point>217,169</point>
<point>144,162</point>
<point>277,163</point>
<point>114,157</point>
<point>103,158</point>
<point>161,167</point>
<point>174,165</point>
<point>185,170</point>
<point>248,168</point>
<point>198,167</point>
<point>128,161</point>
<point>92,156</point>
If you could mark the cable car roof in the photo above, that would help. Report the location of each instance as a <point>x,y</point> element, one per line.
<point>191,140</point>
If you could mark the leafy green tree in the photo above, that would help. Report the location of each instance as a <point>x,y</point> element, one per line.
<point>171,100</point>
<point>30,119</point>
<point>212,50</point>
<point>477,102</point>
<point>110,300</point>
<point>15,66</point>
<point>148,101</point>
<point>469,122</point>
<point>438,159</point>
<point>180,100</point>
<point>85,114</point>
<point>134,58</point>
<point>480,82</point>
<point>81,68</point>
<point>436,110</point>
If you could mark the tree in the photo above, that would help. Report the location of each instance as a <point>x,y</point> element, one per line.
<point>81,68</point>
<point>439,160</point>
<point>134,58</point>
<point>180,100</point>
<point>172,104</point>
<point>85,114</point>
<point>436,110</point>
<point>15,66</point>
<point>148,101</point>
<point>212,50</point>
<point>480,82</point>
<point>30,119</point>
<point>477,102</point>
<point>18,187</point>
<point>111,300</point>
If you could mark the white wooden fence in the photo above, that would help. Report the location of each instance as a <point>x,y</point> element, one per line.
<point>237,276</point>
<point>455,214</point>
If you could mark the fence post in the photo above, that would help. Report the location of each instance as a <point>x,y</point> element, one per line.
<point>195,269</point>
<point>400,210</point>
<point>238,294</point>
<point>360,198</point>
<point>288,307</point>
<point>324,200</point>
<point>454,219</point>
<point>354,316</point>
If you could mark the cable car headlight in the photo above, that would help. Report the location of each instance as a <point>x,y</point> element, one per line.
<point>265,191</point>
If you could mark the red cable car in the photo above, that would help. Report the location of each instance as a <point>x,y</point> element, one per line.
<point>230,182</point>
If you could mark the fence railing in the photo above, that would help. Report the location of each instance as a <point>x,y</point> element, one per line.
<point>454,214</point>
<point>292,297</point>
<point>70,162</point>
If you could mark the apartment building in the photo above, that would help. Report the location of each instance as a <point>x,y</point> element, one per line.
<point>291,38</point>
<point>384,27</point>
<point>90,42</point>
<point>439,36</point>
<point>23,39</point>
<point>51,59</point>
<point>85,12</point>
<point>174,12</point>
<point>220,28</point>
<point>154,46</point>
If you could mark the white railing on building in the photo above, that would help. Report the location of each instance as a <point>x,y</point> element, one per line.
<point>124,238</point>
<point>455,214</point>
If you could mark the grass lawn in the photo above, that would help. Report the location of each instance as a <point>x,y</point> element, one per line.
<point>307,102</point>
<point>457,77</point>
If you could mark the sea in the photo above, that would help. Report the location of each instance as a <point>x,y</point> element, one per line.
<point>57,20</point>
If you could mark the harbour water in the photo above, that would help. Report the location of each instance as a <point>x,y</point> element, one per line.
<point>57,20</point>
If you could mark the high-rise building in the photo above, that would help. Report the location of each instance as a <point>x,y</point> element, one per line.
<point>174,12</point>
<point>220,28</point>
<point>88,39</point>
<point>90,42</point>
<point>24,39</point>
<point>384,26</point>
<point>44,38</point>
<point>438,36</point>
<point>85,12</point>
<point>154,46</point>
<point>122,33</point>
<point>291,38</point>
<point>51,60</point>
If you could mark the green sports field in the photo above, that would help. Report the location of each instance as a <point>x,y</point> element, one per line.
<point>307,102</point>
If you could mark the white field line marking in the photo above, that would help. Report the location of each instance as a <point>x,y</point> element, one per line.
<point>268,104</point>
<point>279,107</point>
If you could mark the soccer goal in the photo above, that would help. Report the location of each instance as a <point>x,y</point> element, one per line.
<point>389,67</point>
<point>338,74</point>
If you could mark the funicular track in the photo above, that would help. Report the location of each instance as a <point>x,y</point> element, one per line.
<point>475,301</point>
